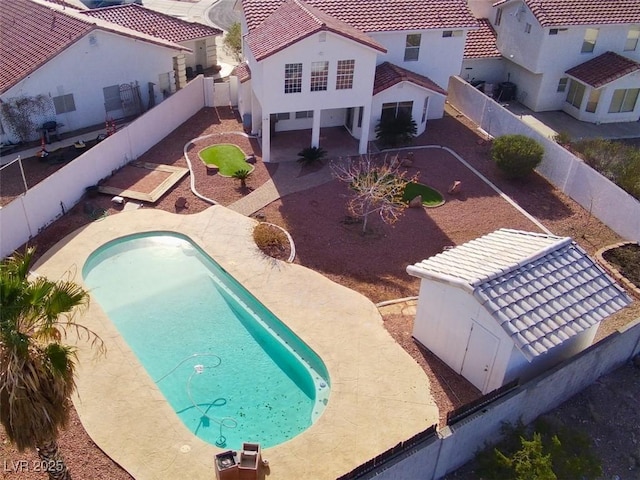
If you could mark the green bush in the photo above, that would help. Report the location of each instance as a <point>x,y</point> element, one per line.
<point>396,131</point>
<point>545,452</point>
<point>516,155</point>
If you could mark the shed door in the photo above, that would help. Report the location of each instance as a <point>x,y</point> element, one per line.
<point>479,356</point>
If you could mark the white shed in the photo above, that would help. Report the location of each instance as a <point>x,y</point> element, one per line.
<point>511,304</point>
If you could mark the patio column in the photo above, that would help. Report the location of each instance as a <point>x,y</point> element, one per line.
<point>364,133</point>
<point>315,129</point>
<point>266,138</point>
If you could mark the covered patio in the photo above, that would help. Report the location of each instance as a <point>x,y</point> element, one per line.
<point>335,140</point>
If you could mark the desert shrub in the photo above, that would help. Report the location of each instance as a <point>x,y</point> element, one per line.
<point>233,41</point>
<point>242,175</point>
<point>270,239</point>
<point>396,131</point>
<point>542,452</point>
<point>311,155</point>
<point>562,138</point>
<point>618,162</point>
<point>516,155</point>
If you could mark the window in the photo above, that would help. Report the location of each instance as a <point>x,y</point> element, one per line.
<point>527,28</point>
<point>562,84</point>
<point>592,102</point>
<point>452,33</point>
<point>344,77</point>
<point>632,39</point>
<point>425,107</point>
<point>589,43</point>
<point>498,17</point>
<point>394,110</point>
<point>64,103</point>
<point>624,100</point>
<point>319,76</point>
<point>412,48</point>
<point>283,116</point>
<point>305,114</point>
<point>576,92</point>
<point>553,31</point>
<point>293,78</point>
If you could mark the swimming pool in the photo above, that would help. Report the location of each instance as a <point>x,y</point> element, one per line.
<point>230,369</point>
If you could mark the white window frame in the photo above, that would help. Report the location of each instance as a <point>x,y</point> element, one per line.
<point>633,35</point>
<point>576,92</point>
<point>293,78</point>
<point>590,40</point>
<point>626,99</point>
<point>562,84</point>
<point>319,76</point>
<point>344,74</point>
<point>304,114</point>
<point>412,47</point>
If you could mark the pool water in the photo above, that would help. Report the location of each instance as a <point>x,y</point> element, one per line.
<point>230,369</point>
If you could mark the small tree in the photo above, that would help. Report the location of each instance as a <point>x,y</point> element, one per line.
<point>242,175</point>
<point>21,114</point>
<point>233,41</point>
<point>377,187</point>
<point>396,131</point>
<point>516,155</point>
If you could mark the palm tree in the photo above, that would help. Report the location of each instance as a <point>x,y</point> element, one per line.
<point>242,175</point>
<point>36,369</point>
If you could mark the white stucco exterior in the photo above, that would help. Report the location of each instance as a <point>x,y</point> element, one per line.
<point>536,59</point>
<point>100,59</point>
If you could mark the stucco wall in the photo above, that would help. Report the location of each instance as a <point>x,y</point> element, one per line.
<point>98,60</point>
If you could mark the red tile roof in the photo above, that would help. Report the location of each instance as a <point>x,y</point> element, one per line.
<point>388,75</point>
<point>153,23</point>
<point>481,43</point>
<point>295,20</point>
<point>32,33</point>
<point>35,31</point>
<point>242,71</point>
<point>377,15</point>
<point>559,13</point>
<point>603,69</point>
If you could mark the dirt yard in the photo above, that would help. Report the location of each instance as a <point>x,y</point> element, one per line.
<point>373,264</point>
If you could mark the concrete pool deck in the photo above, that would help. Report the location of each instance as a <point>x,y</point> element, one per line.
<point>379,395</point>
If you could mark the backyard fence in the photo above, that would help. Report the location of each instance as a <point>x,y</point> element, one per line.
<point>43,203</point>
<point>435,454</point>
<point>598,195</point>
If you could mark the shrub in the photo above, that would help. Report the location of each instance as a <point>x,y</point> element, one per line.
<point>396,131</point>
<point>562,138</point>
<point>270,239</point>
<point>242,175</point>
<point>516,155</point>
<point>311,155</point>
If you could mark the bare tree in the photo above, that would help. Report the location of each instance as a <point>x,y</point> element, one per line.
<point>377,185</point>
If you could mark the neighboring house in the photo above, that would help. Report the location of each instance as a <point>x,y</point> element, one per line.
<point>87,69</point>
<point>321,63</point>
<point>198,38</point>
<point>580,56</point>
<point>511,304</point>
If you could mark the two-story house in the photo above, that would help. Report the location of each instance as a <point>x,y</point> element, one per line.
<point>322,63</point>
<point>580,56</point>
<point>86,66</point>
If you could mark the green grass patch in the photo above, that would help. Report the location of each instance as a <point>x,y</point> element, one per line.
<point>430,197</point>
<point>228,158</point>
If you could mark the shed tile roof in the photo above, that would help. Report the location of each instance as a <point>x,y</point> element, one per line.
<point>481,43</point>
<point>559,13</point>
<point>378,15</point>
<point>603,69</point>
<point>153,23</point>
<point>387,75</point>
<point>542,289</point>
<point>242,71</point>
<point>32,33</point>
<point>294,20</point>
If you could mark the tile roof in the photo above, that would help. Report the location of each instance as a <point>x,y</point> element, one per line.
<point>377,15</point>
<point>295,20</point>
<point>603,69</point>
<point>388,75</point>
<point>540,288</point>
<point>153,23</point>
<point>35,31</point>
<point>481,43</point>
<point>559,13</point>
<point>32,33</point>
<point>242,71</point>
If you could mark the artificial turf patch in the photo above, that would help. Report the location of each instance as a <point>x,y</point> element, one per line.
<point>430,197</point>
<point>228,158</point>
